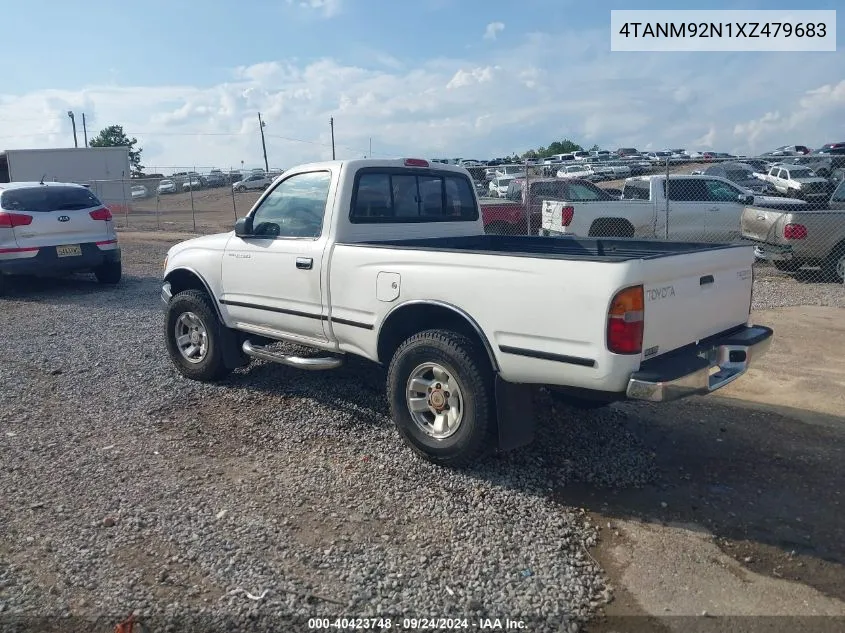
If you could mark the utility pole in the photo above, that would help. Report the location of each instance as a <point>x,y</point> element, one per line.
<point>261,125</point>
<point>371,147</point>
<point>84,130</point>
<point>73,121</point>
<point>331,123</point>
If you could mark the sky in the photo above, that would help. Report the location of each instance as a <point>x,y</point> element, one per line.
<point>423,78</point>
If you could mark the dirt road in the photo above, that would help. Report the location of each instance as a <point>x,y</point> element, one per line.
<point>744,518</point>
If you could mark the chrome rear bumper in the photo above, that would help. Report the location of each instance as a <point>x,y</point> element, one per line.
<point>769,252</point>
<point>700,369</point>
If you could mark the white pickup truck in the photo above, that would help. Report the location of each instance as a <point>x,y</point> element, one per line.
<point>388,260</point>
<point>699,209</point>
<point>798,181</point>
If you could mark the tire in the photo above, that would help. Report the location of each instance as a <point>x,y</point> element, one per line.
<point>833,268</point>
<point>109,273</point>
<point>467,368</point>
<point>195,306</point>
<point>787,266</point>
<point>611,227</point>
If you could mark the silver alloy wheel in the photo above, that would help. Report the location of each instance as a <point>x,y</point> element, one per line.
<point>435,400</point>
<point>191,337</point>
<point>840,267</point>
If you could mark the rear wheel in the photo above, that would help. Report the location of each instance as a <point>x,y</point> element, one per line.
<point>833,267</point>
<point>193,336</point>
<point>787,266</point>
<point>611,227</point>
<point>109,273</point>
<point>440,388</point>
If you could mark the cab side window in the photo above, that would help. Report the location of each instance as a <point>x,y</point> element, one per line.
<point>295,207</point>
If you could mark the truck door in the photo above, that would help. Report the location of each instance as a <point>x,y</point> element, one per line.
<point>723,219</point>
<point>688,205</point>
<point>272,278</point>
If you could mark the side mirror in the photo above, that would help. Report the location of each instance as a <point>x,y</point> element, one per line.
<point>746,199</point>
<point>243,227</point>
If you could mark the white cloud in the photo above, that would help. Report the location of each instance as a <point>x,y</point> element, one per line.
<point>493,29</point>
<point>826,103</point>
<point>707,140</point>
<point>475,76</point>
<point>514,99</point>
<point>326,8</point>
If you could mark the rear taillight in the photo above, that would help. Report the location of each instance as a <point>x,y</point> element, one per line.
<point>100,214</point>
<point>625,321</point>
<point>11,220</point>
<point>794,232</point>
<point>566,215</point>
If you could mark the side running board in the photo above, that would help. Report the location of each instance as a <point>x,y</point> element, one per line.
<point>313,364</point>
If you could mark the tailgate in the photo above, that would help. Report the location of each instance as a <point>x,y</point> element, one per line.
<point>691,296</point>
<point>761,224</point>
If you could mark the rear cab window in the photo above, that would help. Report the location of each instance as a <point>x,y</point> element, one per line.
<point>43,199</point>
<point>636,190</point>
<point>397,195</point>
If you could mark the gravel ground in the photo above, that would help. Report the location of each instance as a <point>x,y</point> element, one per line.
<point>277,496</point>
<point>773,289</point>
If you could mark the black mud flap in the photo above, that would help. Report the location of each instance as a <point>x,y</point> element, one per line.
<point>515,414</point>
<point>232,347</point>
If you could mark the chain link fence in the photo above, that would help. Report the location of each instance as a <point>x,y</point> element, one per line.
<point>790,208</point>
<point>185,201</point>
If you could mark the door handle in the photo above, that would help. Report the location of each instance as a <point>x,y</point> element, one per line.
<point>713,209</point>
<point>304,263</point>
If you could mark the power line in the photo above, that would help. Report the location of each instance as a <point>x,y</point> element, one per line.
<point>44,118</point>
<point>209,134</point>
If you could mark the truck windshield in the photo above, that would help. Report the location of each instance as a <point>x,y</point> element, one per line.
<point>48,198</point>
<point>801,173</point>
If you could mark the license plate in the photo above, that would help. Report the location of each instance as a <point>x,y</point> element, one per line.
<point>69,251</point>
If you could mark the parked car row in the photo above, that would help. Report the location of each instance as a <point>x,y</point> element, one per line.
<point>790,230</point>
<point>673,156</point>
<point>182,182</point>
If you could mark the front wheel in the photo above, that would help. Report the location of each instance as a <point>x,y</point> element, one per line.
<point>193,335</point>
<point>440,388</point>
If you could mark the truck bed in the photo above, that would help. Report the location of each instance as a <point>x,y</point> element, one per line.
<point>570,248</point>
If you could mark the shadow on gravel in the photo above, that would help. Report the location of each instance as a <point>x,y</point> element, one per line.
<point>766,482</point>
<point>811,276</point>
<point>80,288</point>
